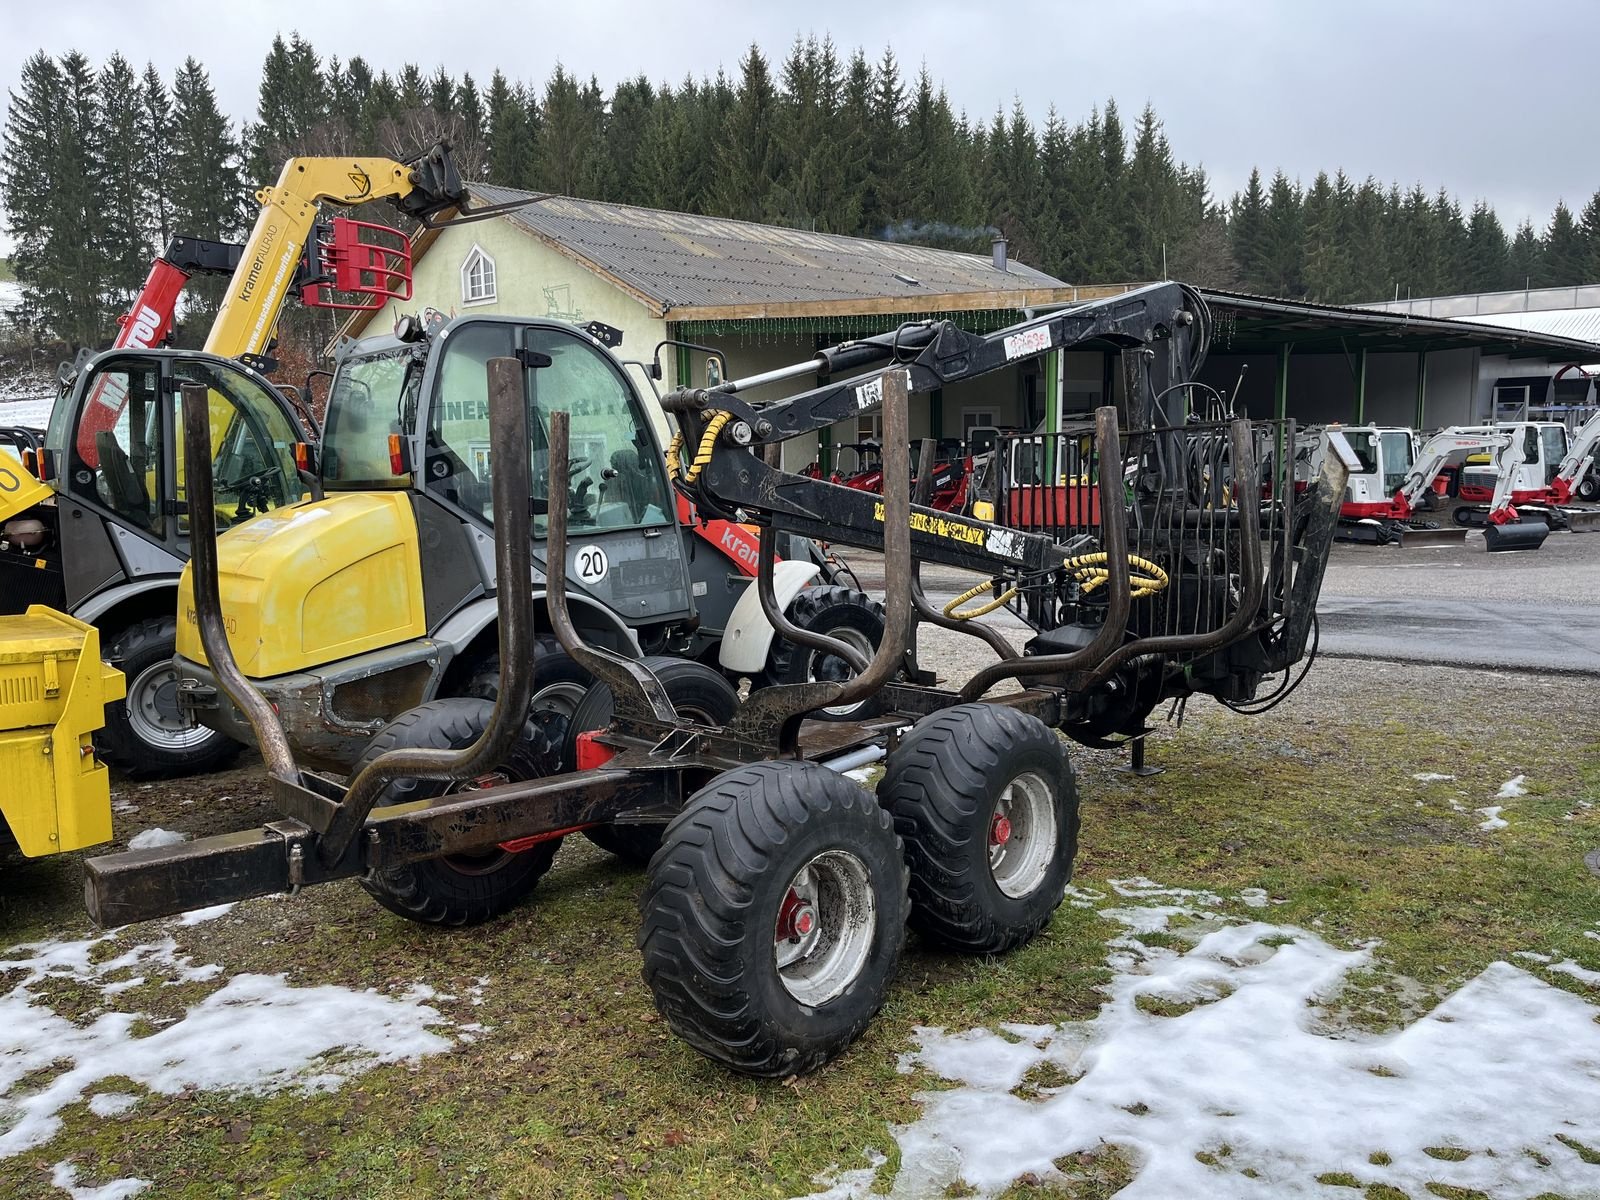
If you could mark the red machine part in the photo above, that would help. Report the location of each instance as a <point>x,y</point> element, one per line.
<point>368,264</point>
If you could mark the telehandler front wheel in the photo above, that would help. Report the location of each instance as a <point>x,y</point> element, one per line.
<point>146,734</point>
<point>773,917</point>
<point>984,799</point>
<point>460,889</point>
<point>852,617</point>
<point>698,693</point>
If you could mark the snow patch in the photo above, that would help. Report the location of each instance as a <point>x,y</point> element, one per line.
<point>847,1185</point>
<point>199,915</point>
<point>1140,888</point>
<point>1432,777</point>
<point>65,1176</point>
<point>254,1034</point>
<point>111,1104</point>
<point>1251,1065</point>
<point>151,838</point>
<point>860,774</point>
<point>1254,897</point>
<point>1493,820</point>
<point>1512,788</point>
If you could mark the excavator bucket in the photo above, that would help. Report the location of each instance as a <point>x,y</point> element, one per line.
<point>1515,535</point>
<point>1414,537</point>
<point>1582,520</point>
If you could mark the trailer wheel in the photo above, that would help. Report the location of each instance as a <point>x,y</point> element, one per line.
<point>460,889</point>
<point>698,692</point>
<point>984,799</point>
<point>146,735</point>
<point>773,917</point>
<point>840,612</point>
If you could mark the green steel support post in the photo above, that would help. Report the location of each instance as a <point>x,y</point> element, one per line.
<point>1422,388</point>
<point>1281,407</point>
<point>1361,387</point>
<point>1052,411</point>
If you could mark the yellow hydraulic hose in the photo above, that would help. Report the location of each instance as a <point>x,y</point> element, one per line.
<point>1091,571</point>
<point>702,456</point>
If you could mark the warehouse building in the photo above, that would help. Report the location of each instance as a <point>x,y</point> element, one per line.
<point>764,297</point>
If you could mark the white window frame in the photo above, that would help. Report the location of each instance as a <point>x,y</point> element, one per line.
<point>482,262</point>
<point>970,417</point>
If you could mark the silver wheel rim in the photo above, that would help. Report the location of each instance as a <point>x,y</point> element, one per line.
<point>154,714</point>
<point>857,641</point>
<point>819,958</point>
<point>1022,835</point>
<point>560,698</point>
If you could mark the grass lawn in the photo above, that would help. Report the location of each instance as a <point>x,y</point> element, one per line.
<point>576,1089</point>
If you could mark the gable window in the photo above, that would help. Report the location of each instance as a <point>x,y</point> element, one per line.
<point>477,278</point>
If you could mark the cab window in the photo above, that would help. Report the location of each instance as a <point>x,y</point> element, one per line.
<point>1555,449</point>
<point>371,397</point>
<point>252,443</point>
<point>616,479</point>
<point>116,451</point>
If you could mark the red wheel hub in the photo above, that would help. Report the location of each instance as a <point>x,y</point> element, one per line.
<point>999,831</point>
<point>795,919</point>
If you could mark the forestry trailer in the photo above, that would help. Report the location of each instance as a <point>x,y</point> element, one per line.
<point>776,906</point>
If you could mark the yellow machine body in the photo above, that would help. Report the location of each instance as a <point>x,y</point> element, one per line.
<point>305,585</point>
<point>53,693</point>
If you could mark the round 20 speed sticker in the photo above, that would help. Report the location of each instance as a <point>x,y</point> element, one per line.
<point>589,564</point>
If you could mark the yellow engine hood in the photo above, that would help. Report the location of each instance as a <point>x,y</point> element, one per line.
<point>19,490</point>
<point>314,583</point>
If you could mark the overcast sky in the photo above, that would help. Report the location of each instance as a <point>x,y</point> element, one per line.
<point>1491,98</point>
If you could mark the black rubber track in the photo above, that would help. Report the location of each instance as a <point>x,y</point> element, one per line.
<point>940,785</point>
<point>824,609</point>
<point>135,649</point>
<point>695,690</point>
<point>460,890</point>
<point>711,903</point>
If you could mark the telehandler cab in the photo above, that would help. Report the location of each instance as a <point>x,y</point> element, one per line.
<point>92,521</point>
<point>775,910</point>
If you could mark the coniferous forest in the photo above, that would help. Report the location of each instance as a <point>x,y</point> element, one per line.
<point>103,163</point>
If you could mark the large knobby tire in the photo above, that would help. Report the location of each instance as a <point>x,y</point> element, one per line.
<point>558,681</point>
<point>984,799</point>
<point>462,889</point>
<point>698,693</point>
<point>146,735</point>
<point>840,612</point>
<point>773,917</point>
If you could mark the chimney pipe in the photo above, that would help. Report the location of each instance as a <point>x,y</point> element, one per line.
<point>999,246</point>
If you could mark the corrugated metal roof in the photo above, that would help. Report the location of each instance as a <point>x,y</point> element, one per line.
<point>679,260</point>
<point>1580,324</point>
<point>1493,333</point>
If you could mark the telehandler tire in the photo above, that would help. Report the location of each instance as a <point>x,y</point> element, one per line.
<point>984,798</point>
<point>697,691</point>
<point>558,681</point>
<point>841,612</point>
<point>460,889</point>
<point>145,736</point>
<point>773,917</point>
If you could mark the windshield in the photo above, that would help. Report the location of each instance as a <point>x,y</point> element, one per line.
<point>252,441</point>
<point>1396,445</point>
<point>371,397</point>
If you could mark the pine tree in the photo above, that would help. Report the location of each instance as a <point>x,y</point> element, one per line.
<point>122,244</point>
<point>567,137</point>
<point>748,149</point>
<point>1527,258</point>
<point>854,133</point>
<point>627,126</point>
<point>1247,229</point>
<point>207,189</point>
<point>155,116</point>
<point>469,103</point>
<point>1326,246</point>
<point>1417,254</point>
<point>884,203</point>
<point>1565,255</point>
<point>1282,240</point>
<point>1488,257</point>
<point>1589,230</point>
<point>1154,216</point>
<point>441,92</point>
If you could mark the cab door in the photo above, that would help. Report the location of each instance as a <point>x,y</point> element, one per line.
<point>624,547</point>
